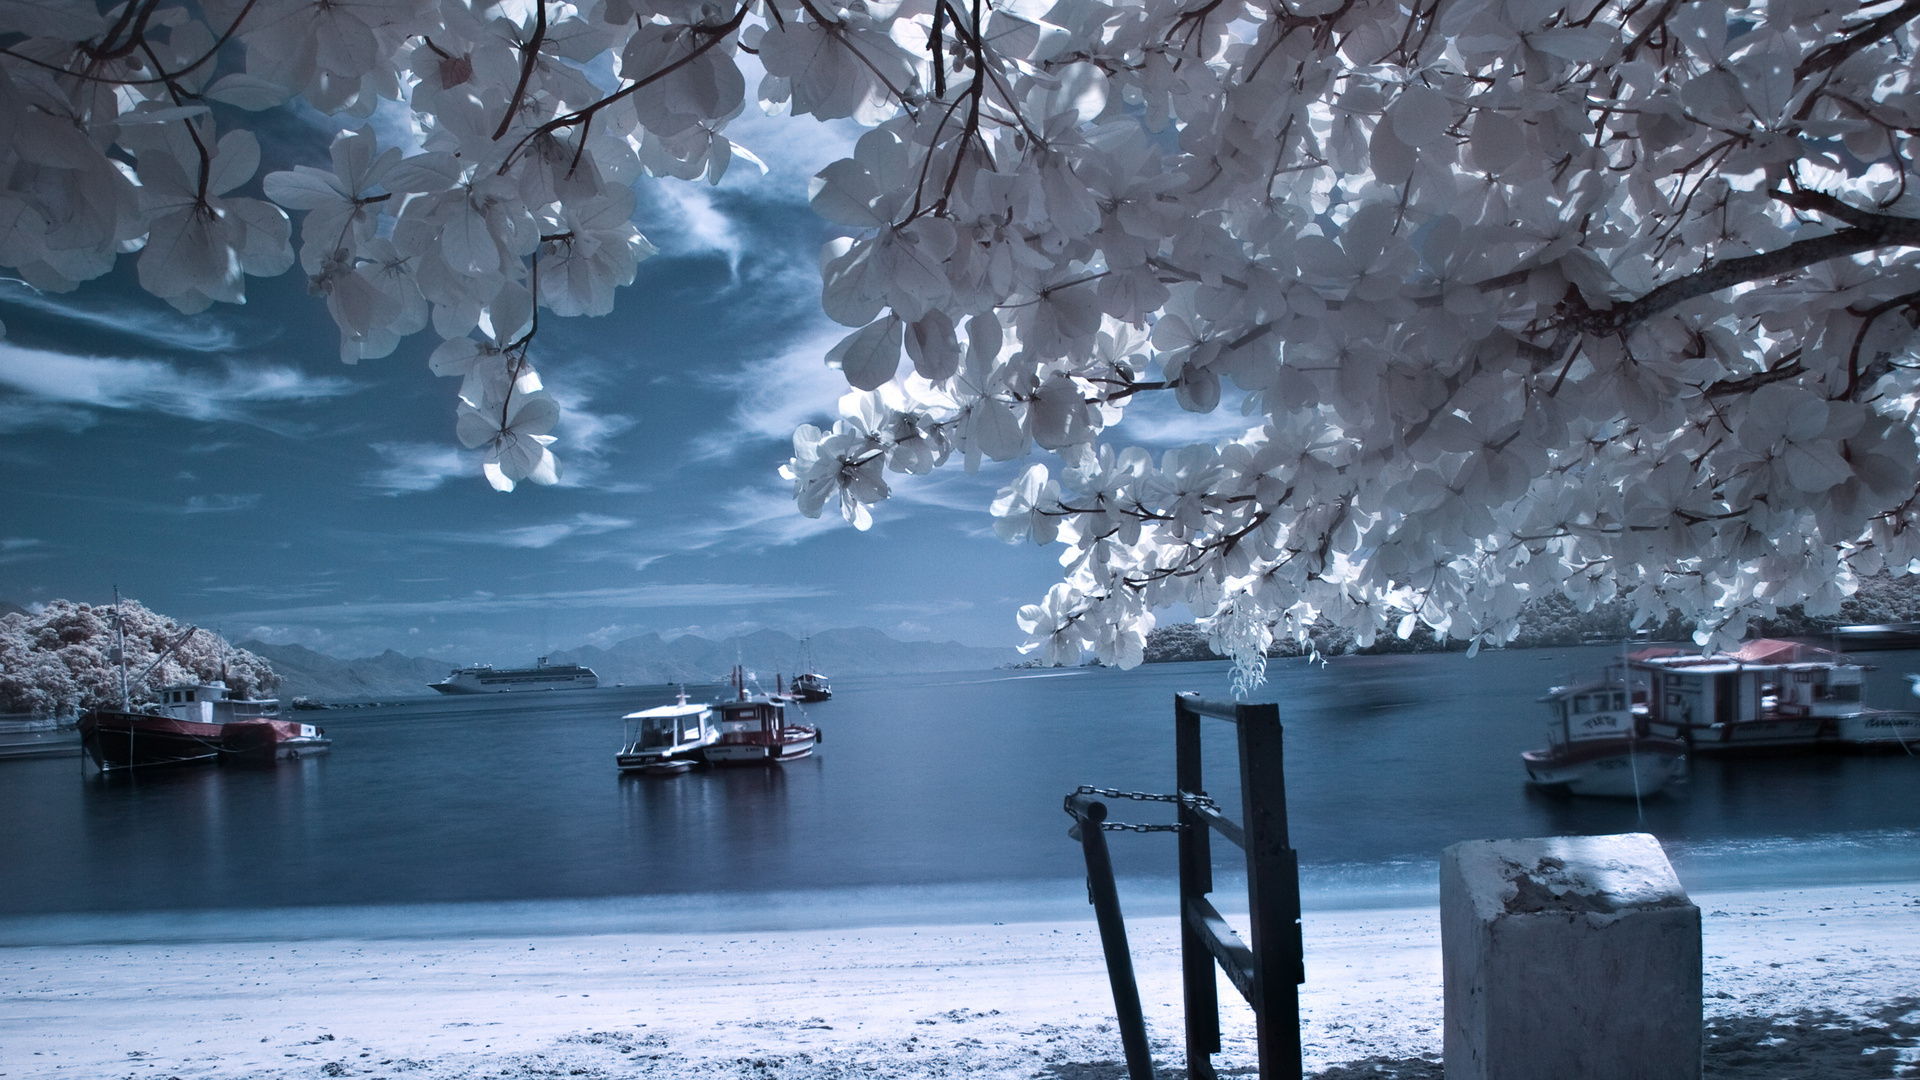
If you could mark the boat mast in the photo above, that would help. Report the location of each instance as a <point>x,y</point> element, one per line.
<point>120,648</point>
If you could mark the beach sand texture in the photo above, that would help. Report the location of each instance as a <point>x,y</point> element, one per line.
<point>1816,982</point>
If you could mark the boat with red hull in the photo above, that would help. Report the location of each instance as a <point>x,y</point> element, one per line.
<point>196,723</point>
<point>755,731</point>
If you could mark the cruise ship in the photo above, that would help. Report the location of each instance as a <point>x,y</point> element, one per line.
<point>543,676</point>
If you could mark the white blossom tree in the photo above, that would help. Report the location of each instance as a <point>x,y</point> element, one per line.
<point>1515,296</point>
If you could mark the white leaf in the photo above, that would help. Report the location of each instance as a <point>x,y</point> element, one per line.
<point>870,355</point>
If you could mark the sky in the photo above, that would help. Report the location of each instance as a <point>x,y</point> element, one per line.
<point>227,470</point>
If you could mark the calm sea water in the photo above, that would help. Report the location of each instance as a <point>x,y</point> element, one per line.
<point>944,789</point>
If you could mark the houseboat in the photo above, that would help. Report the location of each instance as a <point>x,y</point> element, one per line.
<point>667,739</point>
<point>755,731</point>
<point>1595,747</point>
<point>1768,696</point>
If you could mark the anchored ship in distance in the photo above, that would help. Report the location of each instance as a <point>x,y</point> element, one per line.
<point>484,679</point>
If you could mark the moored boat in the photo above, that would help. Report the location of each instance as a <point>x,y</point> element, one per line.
<point>809,685</point>
<point>1768,696</point>
<point>1594,746</point>
<point>667,739</point>
<point>756,731</point>
<point>196,723</point>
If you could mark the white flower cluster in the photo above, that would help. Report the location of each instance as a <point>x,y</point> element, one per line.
<point>1516,296</point>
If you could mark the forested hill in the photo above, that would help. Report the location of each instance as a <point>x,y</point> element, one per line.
<point>1555,622</point>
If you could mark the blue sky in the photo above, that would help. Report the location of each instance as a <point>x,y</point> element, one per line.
<point>226,469</point>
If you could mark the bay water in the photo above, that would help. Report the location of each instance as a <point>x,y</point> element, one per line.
<point>932,798</point>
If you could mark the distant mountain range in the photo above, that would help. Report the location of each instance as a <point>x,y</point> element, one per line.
<point>648,659</point>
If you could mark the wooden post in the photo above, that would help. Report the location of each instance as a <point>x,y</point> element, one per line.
<point>1202,992</point>
<point>1269,971</point>
<point>1273,893</point>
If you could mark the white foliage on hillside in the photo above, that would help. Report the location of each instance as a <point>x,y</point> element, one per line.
<point>1515,296</point>
<point>60,660</point>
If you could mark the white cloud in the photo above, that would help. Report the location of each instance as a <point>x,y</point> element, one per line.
<point>156,386</point>
<point>540,536</point>
<point>756,518</point>
<point>163,328</point>
<point>621,598</point>
<point>420,466</point>
<point>689,222</point>
<point>794,150</point>
<point>779,393</point>
<point>219,504</point>
<point>1157,420</point>
<point>14,549</point>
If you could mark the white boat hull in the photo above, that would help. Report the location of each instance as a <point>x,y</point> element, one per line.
<point>1622,775</point>
<point>1880,731</point>
<point>760,753</point>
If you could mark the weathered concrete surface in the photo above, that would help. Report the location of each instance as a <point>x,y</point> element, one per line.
<point>1571,958</point>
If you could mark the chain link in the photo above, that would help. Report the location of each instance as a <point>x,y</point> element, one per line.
<point>1147,796</point>
<point>1190,801</point>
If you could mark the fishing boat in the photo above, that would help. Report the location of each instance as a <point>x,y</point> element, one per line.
<point>1595,747</point>
<point>484,679</point>
<point>755,731</point>
<point>667,739</point>
<point>809,685</point>
<point>197,722</point>
<point>1767,696</point>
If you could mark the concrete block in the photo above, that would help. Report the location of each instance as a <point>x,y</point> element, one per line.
<point>1569,958</point>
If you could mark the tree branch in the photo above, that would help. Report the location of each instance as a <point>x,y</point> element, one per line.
<point>1875,231</point>
<point>1835,53</point>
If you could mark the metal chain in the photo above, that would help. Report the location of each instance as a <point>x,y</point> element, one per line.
<point>1147,796</point>
<point>1144,796</point>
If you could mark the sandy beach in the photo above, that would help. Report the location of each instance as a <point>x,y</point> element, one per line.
<point>1800,983</point>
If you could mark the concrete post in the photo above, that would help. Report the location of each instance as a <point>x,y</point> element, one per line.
<point>1569,958</point>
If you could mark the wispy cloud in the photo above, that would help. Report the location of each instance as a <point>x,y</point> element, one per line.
<point>219,504</point>
<point>752,518</point>
<point>163,328</point>
<point>624,597</point>
<point>779,393</point>
<point>1159,421</point>
<point>539,536</point>
<point>412,467</point>
<point>57,379</point>
<point>14,549</point>
<point>686,219</point>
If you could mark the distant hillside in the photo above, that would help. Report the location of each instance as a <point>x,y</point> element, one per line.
<point>639,660</point>
<point>1554,622</point>
<point>309,674</point>
<point>9,608</point>
<point>857,651</point>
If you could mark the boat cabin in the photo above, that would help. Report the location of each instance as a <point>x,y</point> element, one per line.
<point>209,703</point>
<point>1587,712</point>
<point>743,720</point>
<point>1762,679</point>
<point>668,728</point>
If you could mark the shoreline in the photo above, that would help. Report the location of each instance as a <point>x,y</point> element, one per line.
<point>1024,999</point>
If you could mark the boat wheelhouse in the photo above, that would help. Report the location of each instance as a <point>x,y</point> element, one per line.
<point>1595,746</point>
<point>667,739</point>
<point>484,679</point>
